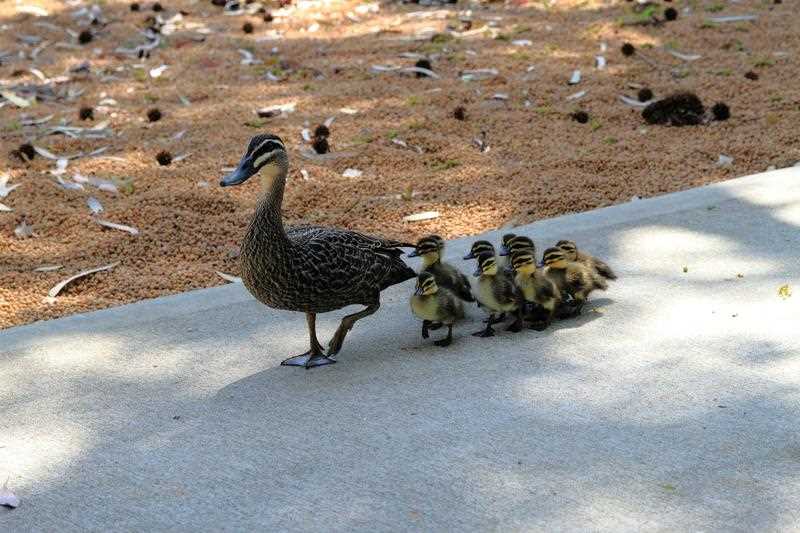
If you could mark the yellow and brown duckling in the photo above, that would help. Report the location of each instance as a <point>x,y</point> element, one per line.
<point>573,254</point>
<point>572,277</point>
<point>447,276</point>
<point>435,304</point>
<point>536,288</point>
<point>485,247</point>
<point>496,293</point>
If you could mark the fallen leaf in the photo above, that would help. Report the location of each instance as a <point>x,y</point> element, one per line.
<point>24,230</point>
<point>685,269</point>
<point>228,277</point>
<point>94,205</point>
<point>575,78</point>
<point>419,217</point>
<point>352,173</point>
<point>48,268</point>
<point>4,208</point>
<point>14,99</point>
<point>60,286</point>
<point>784,291</point>
<point>114,225</point>
<point>5,188</point>
<point>8,498</point>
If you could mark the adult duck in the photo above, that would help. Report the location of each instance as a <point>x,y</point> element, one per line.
<point>309,269</point>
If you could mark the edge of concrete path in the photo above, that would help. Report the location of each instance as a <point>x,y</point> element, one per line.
<point>199,299</point>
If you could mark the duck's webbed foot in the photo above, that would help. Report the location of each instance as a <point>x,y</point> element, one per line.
<point>310,359</point>
<point>427,326</point>
<point>447,340</point>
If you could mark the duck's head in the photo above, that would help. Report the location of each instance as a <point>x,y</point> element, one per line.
<point>487,265</point>
<point>569,248</point>
<point>555,258</point>
<point>523,262</point>
<point>518,243</point>
<point>429,249</point>
<point>426,284</point>
<point>263,152</point>
<point>478,248</point>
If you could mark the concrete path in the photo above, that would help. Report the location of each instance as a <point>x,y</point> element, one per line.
<point>672,404</point>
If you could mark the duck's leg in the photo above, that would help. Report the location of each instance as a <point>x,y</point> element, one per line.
<point>346,325</point>
<point>447,340</point>
<point>314,356</point>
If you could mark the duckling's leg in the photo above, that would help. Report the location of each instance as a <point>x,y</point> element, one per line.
<point>447,340</point>
<point>492,320</point>
<point>488,331</point>
<point>346,325</point>
<point>516,326</point>
<point>314,356</point>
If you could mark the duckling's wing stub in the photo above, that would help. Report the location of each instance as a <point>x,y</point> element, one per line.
<point>604,270</point>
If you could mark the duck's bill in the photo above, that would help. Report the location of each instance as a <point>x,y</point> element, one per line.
<point>503,250</point>
<point>418,291</point>
<point>412,253</point>
<point>241,174</point>
<point>477,273</point>
<point>469,256</point>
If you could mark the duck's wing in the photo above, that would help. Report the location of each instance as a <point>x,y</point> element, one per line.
<point>348,262</point>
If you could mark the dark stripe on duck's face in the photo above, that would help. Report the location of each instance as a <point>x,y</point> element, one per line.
<point>425,246</point>
<point>260,151</point>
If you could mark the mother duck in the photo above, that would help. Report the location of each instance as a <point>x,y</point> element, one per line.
<point>310,269</point>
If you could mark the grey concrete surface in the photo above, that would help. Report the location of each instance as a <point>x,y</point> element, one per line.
<point>672,404</point>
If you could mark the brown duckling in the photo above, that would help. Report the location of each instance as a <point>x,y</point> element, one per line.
<point>576,279</point>
<point>496,293</point>
<point>537,288</point>
<point>447,276</point>
<point>573,254</point>
<point>435,304</point>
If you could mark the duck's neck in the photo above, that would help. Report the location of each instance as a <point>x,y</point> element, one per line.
<point>268,220</point>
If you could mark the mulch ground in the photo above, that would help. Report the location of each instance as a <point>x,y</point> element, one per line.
<point>397,129</point>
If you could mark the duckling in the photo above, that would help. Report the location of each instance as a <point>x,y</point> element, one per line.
<point>496,293</point>
<point>573,254</point>
<point>575,278</point>
<point>479,247</point>
<point>537,288</point>
<point>517,243</point>
<point>433,304</point>
<point>447,276</point>
<point>310,269</point>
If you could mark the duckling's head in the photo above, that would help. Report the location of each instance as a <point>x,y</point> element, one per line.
<point>555,258</point>
<point>519,243</point>
<point>426,284</point>
<point>263,152</point>
<point>429,249</point>
<point>569,248</point>
<point>487,265</point>
<point>439,241</point>
<point>504,242</point>
<point>523,261</point>
<point>478,248</point>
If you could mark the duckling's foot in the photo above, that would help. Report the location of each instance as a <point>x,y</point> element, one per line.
<point>488,332</point>
<point>447,340</point>
<point>539,325</point>
<point>492,319</point>
<point>515,326</point>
